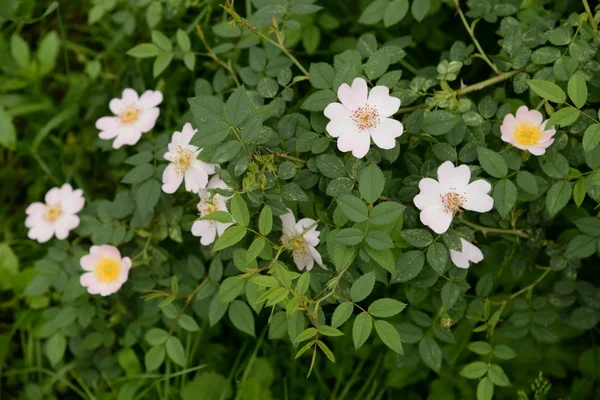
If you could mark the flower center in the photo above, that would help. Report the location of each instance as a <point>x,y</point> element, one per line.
<point>452,202</point>
<point>183,160</point>
<point>129,115</point>
<point>107,270</point>
<point>53,212</point>
<point>528,134</point>
<point>365,117</point>
<point>207,206</point>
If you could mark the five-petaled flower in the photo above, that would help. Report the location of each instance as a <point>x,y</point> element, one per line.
<point>301,238</point>
<point>58,216</point>
<point>184,163</point>
<point>208,230</point>
<point>440,200</point>
<point>106,270</point>
<point>468,253</point>
<point>134,116</point>
<point>527,131</point>
<point>362,116</point>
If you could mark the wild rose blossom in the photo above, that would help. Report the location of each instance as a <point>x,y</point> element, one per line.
<point>57,217</point>
<point>106,270</point>
<point>440,200</point>
<point>207,230</point>
<point>468,254</point>
<point>133,116</point>
<point>301,243</point>
<point>184,163</point>
<point>362,116</point>
<point>527,131</point>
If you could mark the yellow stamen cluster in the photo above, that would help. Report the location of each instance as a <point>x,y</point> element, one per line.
<point>452,201</point>
<point>528,134</point>
<point>52,213</point>
<point>107,270</point>
<point>365,117</point>
<point>129,115</point>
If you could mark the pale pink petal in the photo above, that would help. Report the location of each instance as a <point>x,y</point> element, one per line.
<point>303,260</point>
<point>222,227</point>
<point>335,111</point>
<point>540,149</point>
<point>53,196</point>
<point>385,134</point>
<point>477,198</point>
<point>430,195</point>
<point>147,120</point>
<point>508,128</point>
<point>436,218</point>
<point>317,256</point>
<point>127,137</point>
<point>205,230</point>
<point>42,232</point>
<point>89,261</point>
<point>150,98</point>
<point>473,253</point>
<point>216,183</point>
<point>461,260</point>
<point>337,128</point>
<point>88,280</point>
<point>64,224</point>
<point>359,143</point>
<point>531,116</point>
<point>129,96</point>
<point>208,167</point>
<point>453,179</point>
<point>109,251</point>
<point>353,96</point>
<point>196,178</point>
<point>171,179</point>
<point>288,223</point>
<point>32,220</point>
<point>74,202</point>
<point>108,124</point>
<point>107,135</point>
<point>380,98</point>
<point>35,209</point>
<point>116,106</point>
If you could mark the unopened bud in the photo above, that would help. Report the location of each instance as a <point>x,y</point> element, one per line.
<point>446,322</point>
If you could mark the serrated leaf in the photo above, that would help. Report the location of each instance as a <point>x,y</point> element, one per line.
<point>239,210</point>
<point>386,213</point>
<point>241,317</point>
<point>361,330</point>
<point>371,183</point>
<point>154,358</point>
<point>505,197</point>
<point>431,354</point>
<point>388,335</point>
<point>558,196</point>
<point>420,9</point>
<point>230,237</point>
<point>230,288</point>
<point>175,351</point>
<point>437,257</point>
<point>349,236</point>
<point>492,162</point>
<point>563,117</point>
<point>385,308</point>
<point>362,287</point>
<point>237,106</point>
<point>497,376</point>
<point>475,370</point>
<point>341,314</point>
<point>353,208</point>
<point>547,90</point>
<point>485,389</point>
<point>395,11</point>
<point>577,89</point>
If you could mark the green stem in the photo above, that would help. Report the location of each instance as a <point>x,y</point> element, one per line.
<point>485,229</point>
<point>588,10</point>
<point>471,30</point>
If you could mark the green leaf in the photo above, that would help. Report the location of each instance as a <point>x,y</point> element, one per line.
<point>481,348</point>
<point>504,352</point>
<point>239,210</point>
<point>9,267</point>
<point>265,220</point>
<point>385,308</point>
<point>326,351</point>
<point>437,257</point>
<point>527,182</point>
<point>497,376</point>
<point>439,122</point>
<point>230,288</point>
<point>183,40</point>
<point>409,333</point>
<point>591,137</point>
<point>377,64</point>
<point>55,348</point>
<point>216,311</point>
<point>558,196</point>
<point>349,236</point>
<point>175,351</point>
<point>353,208</point>
<point>161,40</point>
<point>331,166</point>
<point>581,246</point>
<point>492,162</point>
<point>485,285</point>
<point>417,237</point>
<point>450,294</point>
<point>148,195</point>
<point>8,132</point>
<point>409,265</point>
<point>156,336</point>
<point>475,370</point>
<point>138,174</point>
<point>420,9</point>
<point>219,216</point>
<point>19,50</point>
<point>388,335</point>
<point>154,358</point>
<point>361,329</point>
<point>577,89</point>
<point>237,106</point>
<point>306,334</point>
<point>211,133</point>
<point>505,197</point>
<point>255,249</point>
<point>329,331</point>
<point>373,13</point>
<point>386,213</point>
<point>371,183</point>
<point>431,354</point>
<point>341,314</point>
<point>319,100</point>
<point>579,191</point>
<point>547,90</point>
<point>385,258</point>
<point>311,36</point>
<point>395,11</point>
<point>128,361</point>
<point>241,317</point>
<point>144,50</point>
<point>554,164</point>
<point>485,389</point>
<point>188,323</point>
<point>589,225</point>
<point>161,63</point>
<point>321,75</point>
<point>379,240</point>
<point>362,287</point>
<point>563,117</point>
<point>230,237</point>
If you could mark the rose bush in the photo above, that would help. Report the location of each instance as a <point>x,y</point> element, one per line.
<point>299,199</point>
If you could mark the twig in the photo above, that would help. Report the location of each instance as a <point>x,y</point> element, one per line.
<point>485,229</point>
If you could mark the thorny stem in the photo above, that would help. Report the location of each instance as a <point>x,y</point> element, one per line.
<point>485,229</point>
<point>285,156</point>
<point>471,30</point>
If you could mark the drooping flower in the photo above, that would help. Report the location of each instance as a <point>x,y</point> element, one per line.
<point>133,116</point>
<point>468,253</point>
<point>301,240</point>
<point>440,200</point>
<point>106,270</point>
<point>184,163</point>
<point>205,229</point>
<point>362,116</point>
<point>527,131</point>
<point>57,217</point>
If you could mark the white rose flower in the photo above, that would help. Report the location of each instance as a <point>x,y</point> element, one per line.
<point>301,244</point>
<point>209,230</point>
<point>184,163</point>
<point>440,200</point>
<point>57,217</point>
<point>362,116</point>
<point>107,271</point>
<point>469,253</point>
<point>527,131</point>
<point>134,116</point>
